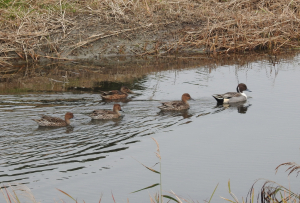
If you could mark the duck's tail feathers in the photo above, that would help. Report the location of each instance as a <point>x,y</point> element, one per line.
<point>36,120</point>
<point>103,93</point>
<point>161,107</point>
<point>219,98</point>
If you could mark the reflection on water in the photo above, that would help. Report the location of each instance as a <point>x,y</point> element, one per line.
<point>69,129</point>
<point>83,151</point>
<point>115,121</point>
<point>183,113</point>
<point>241,107</point>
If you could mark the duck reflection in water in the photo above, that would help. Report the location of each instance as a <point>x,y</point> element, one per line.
<point>184,113</point>
<point>114,122</point>
<point>69,128</point>
<point>240,106</point>
<point>124,100</point>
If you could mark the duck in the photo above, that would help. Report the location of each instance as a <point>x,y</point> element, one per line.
<point>116,94</point>
<point>106,114</point>
<point>177,105</point>
<point>55,121</point>
<point>233,97</point>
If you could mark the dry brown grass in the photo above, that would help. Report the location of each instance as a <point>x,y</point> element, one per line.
<point>240,25</point>
<point>56,28</point>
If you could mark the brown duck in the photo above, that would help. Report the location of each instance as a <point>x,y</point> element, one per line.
<point>54,121</point>
<point>116,94</point>
<point>106,114</point>
<point>177,105</point>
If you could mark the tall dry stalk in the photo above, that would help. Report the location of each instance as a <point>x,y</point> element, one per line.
<point>14,193</point>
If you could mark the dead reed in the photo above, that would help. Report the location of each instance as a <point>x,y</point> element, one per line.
<point>17,193</point>
<point>274,192</point>
<point>32,29</point>
<point>271,191</point>
<point>241,25</point>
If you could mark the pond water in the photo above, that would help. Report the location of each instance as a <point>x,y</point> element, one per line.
<point>201,147</point>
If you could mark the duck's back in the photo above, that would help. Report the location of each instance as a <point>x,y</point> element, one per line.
<point>114,94</point>
<point>103,114</point>
<point>50,121</point>
<point>174,105</point>
<point>230,97</point>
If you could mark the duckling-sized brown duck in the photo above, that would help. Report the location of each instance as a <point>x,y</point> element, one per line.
<point>116,94</point>
<point>106,114</point>
<point>177,105</point>
<point>54,121</point>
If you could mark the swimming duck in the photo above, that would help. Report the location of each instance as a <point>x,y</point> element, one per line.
<point>233,97</point>
<point>54,121</point>
<point>177,105</point>
<point>116,94</point>
<point>106,114</point>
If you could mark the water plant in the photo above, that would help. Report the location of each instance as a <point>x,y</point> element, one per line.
<point>275,192</point>
<point>159,197</point>
<point>13,193</point>
<point>271,191</point>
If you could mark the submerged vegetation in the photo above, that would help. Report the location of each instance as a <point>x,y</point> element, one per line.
<point>64,29</point>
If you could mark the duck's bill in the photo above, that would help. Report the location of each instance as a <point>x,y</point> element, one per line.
<point>192,99</point>
<point>248,90</point>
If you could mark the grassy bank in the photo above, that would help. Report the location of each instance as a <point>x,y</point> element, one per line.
<point>33,29</point>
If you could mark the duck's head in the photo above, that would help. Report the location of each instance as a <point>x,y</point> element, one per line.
<point>242,87</point>
<point>68,116</point>
<point>117,108</point>
<point>126,90</point>
<point>185,97</point>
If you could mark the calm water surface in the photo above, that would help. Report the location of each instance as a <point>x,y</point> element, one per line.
<point>200,148</point>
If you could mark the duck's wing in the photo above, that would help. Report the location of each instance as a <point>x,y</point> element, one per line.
<point>227,95</point>
<point>171,105</point>
<point>168,104</point>
<point>231,95</point>
<point>101,112</point>
<point>52,119</point>
<point>112,92</point>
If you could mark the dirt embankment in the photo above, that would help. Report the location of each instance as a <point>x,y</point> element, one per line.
<point>70,29</point>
